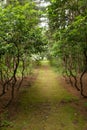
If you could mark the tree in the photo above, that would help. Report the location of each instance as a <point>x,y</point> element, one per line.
<point>19,39</point>
<point>67,25</point>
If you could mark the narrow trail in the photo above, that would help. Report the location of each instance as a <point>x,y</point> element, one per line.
<point>47,106</point>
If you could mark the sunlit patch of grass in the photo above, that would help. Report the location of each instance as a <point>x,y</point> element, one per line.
<point>44,62</point>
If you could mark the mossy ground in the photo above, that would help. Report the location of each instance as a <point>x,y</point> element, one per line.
<point>46,106</point>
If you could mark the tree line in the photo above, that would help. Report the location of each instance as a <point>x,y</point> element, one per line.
<point>68,39</point>
<point>20,39</point>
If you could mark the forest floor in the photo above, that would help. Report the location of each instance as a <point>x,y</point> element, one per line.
<point>47,105</point>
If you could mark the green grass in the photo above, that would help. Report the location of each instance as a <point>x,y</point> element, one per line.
<point>46,106</point>
<point>44,62</point>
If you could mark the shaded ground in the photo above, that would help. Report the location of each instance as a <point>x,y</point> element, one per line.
<point>47,106</point>
<point>71,88</point>
<point>26,83</point>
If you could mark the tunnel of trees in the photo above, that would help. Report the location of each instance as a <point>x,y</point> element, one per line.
<point>64,41</point>
<point>30,32</point>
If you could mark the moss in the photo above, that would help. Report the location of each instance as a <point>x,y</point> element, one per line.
<point>47,106</point>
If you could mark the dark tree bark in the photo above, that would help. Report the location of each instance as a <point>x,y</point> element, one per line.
<point>83,73</point>
<point>75,79</point>
<point>23,68</point>
<point>81,83</point>
<point>14,79</point>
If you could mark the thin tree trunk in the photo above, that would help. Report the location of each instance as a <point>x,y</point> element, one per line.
<point>81,83</point>
<point>75,78</point>
<point>22,75</point>
<point>14,77</point>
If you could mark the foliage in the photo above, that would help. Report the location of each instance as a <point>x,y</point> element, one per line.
<point>20,38</point>
<point>68,28</point>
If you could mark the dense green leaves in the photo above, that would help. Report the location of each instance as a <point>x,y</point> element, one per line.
<point>20,39</point>
<point>68,27</point>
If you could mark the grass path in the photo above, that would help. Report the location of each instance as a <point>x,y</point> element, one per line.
<point>47,106</point>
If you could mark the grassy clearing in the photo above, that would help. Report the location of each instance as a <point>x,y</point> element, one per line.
<point>46,106</point>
